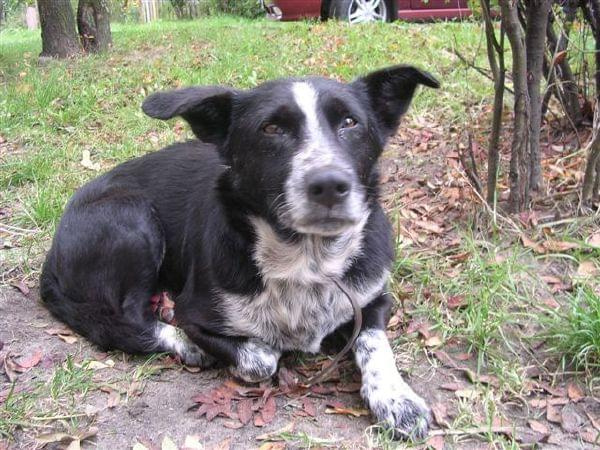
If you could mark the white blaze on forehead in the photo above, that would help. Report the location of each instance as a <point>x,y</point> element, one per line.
<point>306,98</point>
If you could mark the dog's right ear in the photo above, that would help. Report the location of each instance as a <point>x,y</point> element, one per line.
<point>206,109</point>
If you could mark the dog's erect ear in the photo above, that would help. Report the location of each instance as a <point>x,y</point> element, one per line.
<point>206,109</point>
<point>390,91</point>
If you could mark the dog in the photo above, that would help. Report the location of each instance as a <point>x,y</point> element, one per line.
<point>248,227</point>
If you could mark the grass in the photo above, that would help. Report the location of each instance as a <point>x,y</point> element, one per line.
<point>61,396</point>
<point>575,332</point>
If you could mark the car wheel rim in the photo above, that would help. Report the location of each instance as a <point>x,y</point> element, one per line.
<point>361,11</point>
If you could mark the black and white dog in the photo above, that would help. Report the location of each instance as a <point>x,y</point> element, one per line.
<point>247,231</point>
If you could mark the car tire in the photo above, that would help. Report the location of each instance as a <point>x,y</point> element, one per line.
<point>352,12</point>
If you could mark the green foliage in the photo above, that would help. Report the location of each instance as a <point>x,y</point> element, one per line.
<point>244,8</point>
<point>575,332</point>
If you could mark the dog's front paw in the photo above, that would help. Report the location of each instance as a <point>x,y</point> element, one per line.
<point>397,408</point>
<point>256,361</point>
<point>192,355</point>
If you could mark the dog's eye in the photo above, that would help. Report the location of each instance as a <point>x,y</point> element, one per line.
<point>349,122</point>
<point>272,129</point>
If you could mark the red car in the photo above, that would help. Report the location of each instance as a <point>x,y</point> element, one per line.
<point>357,11</point>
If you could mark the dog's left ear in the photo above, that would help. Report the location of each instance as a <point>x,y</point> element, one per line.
<point>206,109</point>
<point>390,92</point>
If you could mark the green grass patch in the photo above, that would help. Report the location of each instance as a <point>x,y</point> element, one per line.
<point>574,331</point>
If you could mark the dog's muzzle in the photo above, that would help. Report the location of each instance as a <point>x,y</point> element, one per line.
<point>328,187</point>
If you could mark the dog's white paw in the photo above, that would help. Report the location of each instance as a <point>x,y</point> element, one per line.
<point>256,361</point>
<point>176,341</point>
<point>396,407</point>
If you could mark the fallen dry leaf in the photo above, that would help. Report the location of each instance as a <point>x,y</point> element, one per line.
<point>571,420</point>
<point>168,444</point>
<point>114,398</point>
<point>587,269</point>
<point>347,411</point>
<point>138,446</point>
<point>11,368</point>
<point>32,360</point>
<point>244,410</point>
<point>479,378</point>
<point>86,161</point>
<point>538,403</point>
<point>559,246</point>
<point>192,442</point>
<point>538,426</point>
<point>433,341</point>
<point>590,436</point>
<point>440,414</point>
<point>467,394</point>
<point>435,442</point>
<point>456,301</point>
<point>553,414</point>
<point>308,407</point>
<point>574,392</point>
<point>223,445</point>
<point>594,240</point>
<point>429,226</point>
<point>276,435</point>
<point>21,286</point>
<point>48,438</point>
<point>99,365</point>
<point>529,243</point>
<point>268,410</point>
<point>64,333</point>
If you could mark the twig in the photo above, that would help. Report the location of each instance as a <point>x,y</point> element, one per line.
<point>472,431</point>
<point>16,230</point>
<point>66,416</point>
<point>492,211</point>
<point>478,69</point>
<point>471,171</point>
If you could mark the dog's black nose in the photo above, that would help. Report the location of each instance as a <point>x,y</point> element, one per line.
<point>328,187</point>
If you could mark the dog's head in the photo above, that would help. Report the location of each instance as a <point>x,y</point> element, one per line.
<point>301,152</point>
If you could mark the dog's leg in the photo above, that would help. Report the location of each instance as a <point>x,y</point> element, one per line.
<point>255,361</point>
<point>250,359</point>
<point>394,404</point>
<point>174,340</point>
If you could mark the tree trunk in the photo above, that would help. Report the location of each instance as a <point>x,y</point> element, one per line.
<point>59,37</point>
<point>591,182</point>
<point>1,13</point>
<point>93,22</point>
<point>535,41</point>
<point>495,52</point>
<point>520,165</point>
<point>568,92</point>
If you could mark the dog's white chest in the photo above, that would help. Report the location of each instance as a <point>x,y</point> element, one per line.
<point>289,317</point>
<point>300,304</point>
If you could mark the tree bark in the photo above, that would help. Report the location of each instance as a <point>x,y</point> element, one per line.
<point>93,22</point>
<point>535,41</point>
<point>566,88</point>
<point>59,37</point>
<point>1,13</point>
<point>519,173</point>
<point>495,52</point>
<point>591,182</point>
